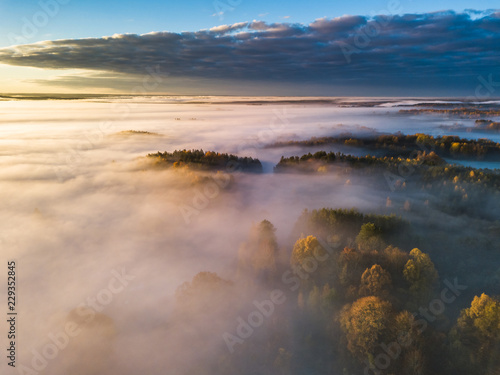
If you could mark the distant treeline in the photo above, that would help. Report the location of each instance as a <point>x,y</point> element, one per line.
<point>488,125</point>
<point>453,187</point>
<point>318,161</point>
<point>462,111</point>
<point>406,145</point>
<point>433,167</point>
<point>209,160</point>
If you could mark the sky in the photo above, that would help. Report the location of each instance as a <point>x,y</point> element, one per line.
<point>239,47</point>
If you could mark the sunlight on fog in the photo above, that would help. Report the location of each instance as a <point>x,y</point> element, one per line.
<point>79,206</point>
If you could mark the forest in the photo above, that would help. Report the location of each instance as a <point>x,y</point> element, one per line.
<point>409,145</point>
<point>288,238</point>
<point>488,125</point>
<point>395,291</point>
<point>349,295</point>
<point>210,160</point>
<point>465,112</point>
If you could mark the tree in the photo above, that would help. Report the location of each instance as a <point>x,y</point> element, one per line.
<point>406,334</point>
<point>328,299</point>
<point>414,363</point>
<point>370,238</point>
<point>96,339</point>
<point>420,272</point>
<point>375,281</point>
<point>477,334</point>
<point>201,283</point>
<point>406,330</point>
<point>304,249</point>
<point>312,259</point>
<point>204,293</point>
<point>484,316</point>
<point>366,324</point>
<point>282,362</point>
<point>267,247</point>
<point>257,257</point>
<point>314,301</point>
<point>350,267</point>
<point>395,260</point>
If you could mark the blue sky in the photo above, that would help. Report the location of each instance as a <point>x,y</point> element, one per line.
<point>28,22</point>
<point>91,18</point>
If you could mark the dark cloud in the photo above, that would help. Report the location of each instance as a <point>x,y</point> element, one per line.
<point>389,51</point>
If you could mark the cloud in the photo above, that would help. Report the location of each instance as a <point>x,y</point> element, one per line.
<point>406,50</point>
<point>94,80</point>
<point>224,29</point>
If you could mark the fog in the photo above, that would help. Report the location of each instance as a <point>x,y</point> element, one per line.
<point>80,205</point>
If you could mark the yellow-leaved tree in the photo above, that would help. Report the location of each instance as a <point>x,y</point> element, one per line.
<point>375,281</point>
<point>475,340</point>
<point>366,324</point>
<point>420,272</point>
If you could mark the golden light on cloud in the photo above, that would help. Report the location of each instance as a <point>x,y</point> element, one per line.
<point>17,79</point>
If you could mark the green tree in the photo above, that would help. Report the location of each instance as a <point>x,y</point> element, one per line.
<point>350,268</point>
<point>370,238</point>
<point>476,336</point>
<point>484,316</point>
<point>328,299</point>
<point>420,272</point>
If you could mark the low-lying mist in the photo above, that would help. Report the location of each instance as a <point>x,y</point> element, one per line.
<point>103,241</point>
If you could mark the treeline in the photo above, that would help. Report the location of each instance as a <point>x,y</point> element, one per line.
<point>462,111</point>
<point>431,168</point>
<point>487,125</point>
<point>319,161</point>
<point>408,145</point>
<point>346,301</point>
<point>136,132</point>
<point>462,175</point>
<point>209,160</point>
<point>453,189</point>
<point>339,227</point>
